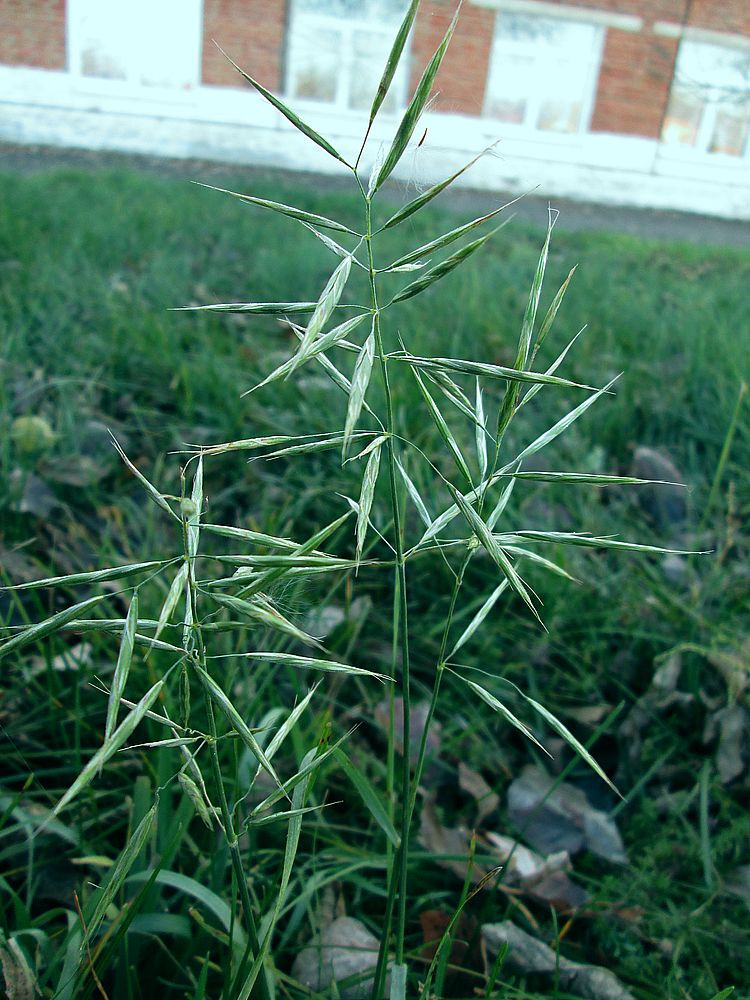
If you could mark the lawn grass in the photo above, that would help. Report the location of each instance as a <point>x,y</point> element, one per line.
<point>89,264</point>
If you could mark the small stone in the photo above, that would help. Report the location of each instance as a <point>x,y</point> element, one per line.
<point>662,501</point>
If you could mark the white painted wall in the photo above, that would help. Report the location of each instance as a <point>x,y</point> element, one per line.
<point>237,126</point>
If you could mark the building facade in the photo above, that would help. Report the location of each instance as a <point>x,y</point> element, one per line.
<point>641,102</point>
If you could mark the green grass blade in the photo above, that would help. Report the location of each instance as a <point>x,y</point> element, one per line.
<point>291,720</point>
<point>478,618</point>
<point>256,308</point>
<point>394,57</point>
<point>419,202</point>
<point>193,793</point>
<point>109,747</point>
<point>170,602</point>
<point>288,113</point>
<point>310,663</point>
<point>562,425</point>
<point>322,343</point>
<point>360,382</point>
<point>494,550</point>
<point>416,499</point>
<point>261,610</point>
<point>455,234</point>
<point>119,872</point>
<point>512,392</point>
<point>96,576</point>
<point>591,542</point>
<point>329,299</point>
<point>440,270</point>
<point>589,478</point>
<point>152,491</point>
<point>569,738</point>
<point>39,631</point>
<point>254,537</point>
<point>323,444</point>
<point>415,108</point>
<point>499,509</point>
<point>369,481</point>
<point>478,368</point>
<point>501,709</point>
<point>549,319</point>
<point>534,557</point>
<point>122,667</point>
<point>443,428</point>
<point>369,796</point>
<point>309,219</point>
<point>196,507</point>
<point>233,717</point>
<point>480,432</point>
<point>529,395</point>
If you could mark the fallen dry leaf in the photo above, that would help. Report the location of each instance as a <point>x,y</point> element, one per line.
<point>465,951</point>
<point>528,955</point>
<point>474,784</point>
<point>344,950</point>
<point>542,878</point>
<point>731,722</point>
<point>417,721</point>
<point>561,818</point>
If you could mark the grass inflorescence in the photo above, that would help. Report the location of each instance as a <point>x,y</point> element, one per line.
<point>220,715</point>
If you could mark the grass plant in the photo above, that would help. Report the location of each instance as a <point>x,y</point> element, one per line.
<point>235,748</point>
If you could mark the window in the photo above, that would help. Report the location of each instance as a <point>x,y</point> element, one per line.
<point>337,49</point>
<point>709,106</point>
<point>543,72</point>
<point>153,44</point>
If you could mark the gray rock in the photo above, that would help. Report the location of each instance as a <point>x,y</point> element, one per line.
<point>664,502</point>
<point>343,950</point>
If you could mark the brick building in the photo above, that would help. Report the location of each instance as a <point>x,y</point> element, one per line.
<point>633,101</point>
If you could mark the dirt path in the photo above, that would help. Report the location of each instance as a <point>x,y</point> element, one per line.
<point>574,215</point>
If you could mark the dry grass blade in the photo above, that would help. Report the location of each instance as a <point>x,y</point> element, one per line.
<point>288,113</point>
<point>416,107</point>
<point>122,667</point>
<point>309,219</point>
<point>109,747</point>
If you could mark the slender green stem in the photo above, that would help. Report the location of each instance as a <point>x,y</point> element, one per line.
<point>398,876</point>
<point>228,823</point>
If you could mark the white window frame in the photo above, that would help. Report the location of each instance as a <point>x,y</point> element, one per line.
<point>346,29</point>
<point>711,109</point>
<point>533,104</point>
<point>129,87</point>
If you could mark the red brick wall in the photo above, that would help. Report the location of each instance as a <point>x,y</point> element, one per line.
<point>252,33</point>
<point>721,15</point>
<point>463,74</point>
<point>634,81</point>
<point>32,33</point>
